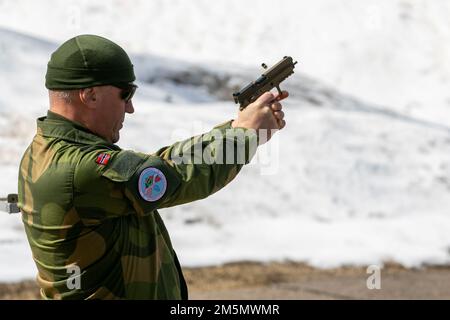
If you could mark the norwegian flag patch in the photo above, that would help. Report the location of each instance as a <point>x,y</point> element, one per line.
<point>103,159</point>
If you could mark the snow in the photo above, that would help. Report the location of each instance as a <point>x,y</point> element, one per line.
<point>359,176</point>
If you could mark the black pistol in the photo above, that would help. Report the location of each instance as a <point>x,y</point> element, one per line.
<point>266,82</point>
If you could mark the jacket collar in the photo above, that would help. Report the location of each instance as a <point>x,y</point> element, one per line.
<point>56,126</point>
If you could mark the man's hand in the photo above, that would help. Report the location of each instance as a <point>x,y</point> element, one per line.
<point>265,113</point>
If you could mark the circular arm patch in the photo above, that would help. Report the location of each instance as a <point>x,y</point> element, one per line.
<point>152,184</point>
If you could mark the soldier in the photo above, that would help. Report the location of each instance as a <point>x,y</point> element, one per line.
<point>90,208</point>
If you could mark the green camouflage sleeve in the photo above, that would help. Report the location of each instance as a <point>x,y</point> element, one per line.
<point>183,172</point>
<point>126,183</point>
<point>208,162</point>
<point>145,180</point>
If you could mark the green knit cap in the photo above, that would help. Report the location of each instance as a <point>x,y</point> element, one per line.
<point>88,61</point>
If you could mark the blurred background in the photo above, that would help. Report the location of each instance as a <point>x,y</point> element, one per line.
<point>361,173</point>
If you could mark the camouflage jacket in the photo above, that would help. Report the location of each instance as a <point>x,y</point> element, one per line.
<point>90,210</point>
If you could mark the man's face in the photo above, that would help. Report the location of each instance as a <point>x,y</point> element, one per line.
<point>110,112</point>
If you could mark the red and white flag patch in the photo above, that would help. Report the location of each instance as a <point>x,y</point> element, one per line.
<point>103,159</point>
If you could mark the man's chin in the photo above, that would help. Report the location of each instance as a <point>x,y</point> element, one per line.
<point>116,138</point>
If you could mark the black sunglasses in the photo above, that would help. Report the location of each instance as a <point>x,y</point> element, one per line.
<point>128,90</point>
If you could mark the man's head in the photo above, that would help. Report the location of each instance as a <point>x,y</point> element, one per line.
<point>90,80</point>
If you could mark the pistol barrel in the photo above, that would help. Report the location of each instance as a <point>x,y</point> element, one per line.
<point>266,82</point>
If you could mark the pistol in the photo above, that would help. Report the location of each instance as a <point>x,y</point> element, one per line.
<point>266,82</point>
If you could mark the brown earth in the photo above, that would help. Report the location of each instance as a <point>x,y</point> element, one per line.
<point>248,280</point>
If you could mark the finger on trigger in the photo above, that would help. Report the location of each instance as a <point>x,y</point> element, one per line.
<point>283,95</point>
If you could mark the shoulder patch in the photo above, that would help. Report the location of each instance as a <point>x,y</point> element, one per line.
<point>152,184</point>
<point>122,166</point>
<point>103,159</point>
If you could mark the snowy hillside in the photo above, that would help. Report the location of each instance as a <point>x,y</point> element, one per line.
<point>361,174</point>
<point>389,52</point>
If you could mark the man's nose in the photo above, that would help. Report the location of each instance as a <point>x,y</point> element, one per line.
<point>129,107</point>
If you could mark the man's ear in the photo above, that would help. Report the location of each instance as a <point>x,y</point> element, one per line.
<point>88,97</point>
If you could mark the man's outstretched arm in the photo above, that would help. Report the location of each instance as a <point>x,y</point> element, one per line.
<point>208,162</point>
